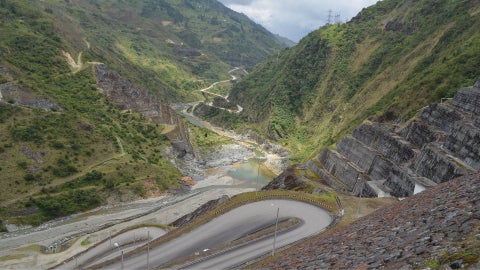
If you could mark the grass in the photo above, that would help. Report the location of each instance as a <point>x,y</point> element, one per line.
<point>85,242</point>
<point>467,250</point>
<point>13,257</point>
<point>206,140</point>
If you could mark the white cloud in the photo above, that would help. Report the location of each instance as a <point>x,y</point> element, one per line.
<point>296,18</point>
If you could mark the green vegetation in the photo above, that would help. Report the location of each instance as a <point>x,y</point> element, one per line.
<point>85,242</point>
<point>68,158</point>
<point>218,116</point>
<point>57,160</point>
<point>84,147</point>
<point>2,227</point>
<point>67,203</point>
<point>389,61</point>
<point>171,47</point>
<point>206,140</point>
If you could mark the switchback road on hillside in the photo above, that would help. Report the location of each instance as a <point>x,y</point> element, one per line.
<point>233,225</point>
<point>205,90</point>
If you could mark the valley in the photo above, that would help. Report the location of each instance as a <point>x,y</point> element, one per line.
<point>168,134</point>
<point>241,166</point>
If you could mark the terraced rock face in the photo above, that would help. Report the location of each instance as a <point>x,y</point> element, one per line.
<point>442,143</point>
<point>440,226</point>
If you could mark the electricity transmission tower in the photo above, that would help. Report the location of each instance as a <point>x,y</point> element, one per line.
<point>338,20</point>
<point>329,18</point>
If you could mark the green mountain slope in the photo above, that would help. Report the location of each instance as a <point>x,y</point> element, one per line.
<point>389,61</point>
<point>64,146</point>
<point>171,47</point>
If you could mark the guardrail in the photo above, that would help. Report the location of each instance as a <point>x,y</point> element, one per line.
<point>236,201</point>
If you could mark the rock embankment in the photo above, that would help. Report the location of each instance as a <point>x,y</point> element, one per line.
<point>442,143</point>
<point>202,210</point>
<point>440,226</point>
<point>128,96</point>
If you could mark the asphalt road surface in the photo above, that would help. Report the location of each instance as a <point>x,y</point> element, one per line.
<point>230,226</point>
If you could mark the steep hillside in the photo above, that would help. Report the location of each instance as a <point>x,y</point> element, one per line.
<point>83,85</point>
<point>389,61</point>
<point>436,229</point>
<point>440,143</point>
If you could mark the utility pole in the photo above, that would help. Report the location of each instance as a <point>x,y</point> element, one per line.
<point>275,234</point>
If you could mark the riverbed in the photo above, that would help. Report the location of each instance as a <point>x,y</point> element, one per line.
<point>251,159</point>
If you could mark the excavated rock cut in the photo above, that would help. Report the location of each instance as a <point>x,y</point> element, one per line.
<point>442,144</point>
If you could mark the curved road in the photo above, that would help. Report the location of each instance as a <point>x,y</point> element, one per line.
<point>112,247</point>
<point>230,226</point>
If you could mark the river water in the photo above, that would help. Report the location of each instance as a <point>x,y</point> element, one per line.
<point>239,167</point>
<point>252,173</point>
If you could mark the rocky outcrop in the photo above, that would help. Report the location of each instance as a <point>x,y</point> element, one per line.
<point>440,225</point>
<point>440,116</point>
<point>441,144</point>
<point>435,164</point>
<point>419,133</point>
<point>202,210</point>
<point>286,180</point>
<point>468,100</point>
<point>18,94</point>
<point>389,145</point>
<point>128,96</point>
<point>464,141</point>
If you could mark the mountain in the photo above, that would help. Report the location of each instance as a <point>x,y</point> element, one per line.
<point>286,41</point>
<point>439,144</point>
<point>170,47</point>
<point>84,88</point>
<point>389,61</point>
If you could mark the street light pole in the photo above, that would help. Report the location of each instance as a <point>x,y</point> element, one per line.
<point>358,205</point>
<point>275,234</point>
<point>148,250</point>
<point>258,175</point>
<point>122,259</point>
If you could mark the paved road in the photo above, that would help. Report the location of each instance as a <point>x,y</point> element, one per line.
<point>233,225</point>
<point>97,225</point>
<point>113,246</point>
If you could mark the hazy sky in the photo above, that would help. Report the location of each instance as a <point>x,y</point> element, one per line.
<point>294,19</point>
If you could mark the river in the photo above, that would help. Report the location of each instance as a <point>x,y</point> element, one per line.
<point>242,164</point>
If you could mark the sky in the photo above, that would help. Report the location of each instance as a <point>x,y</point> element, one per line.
<point>294,19</point>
